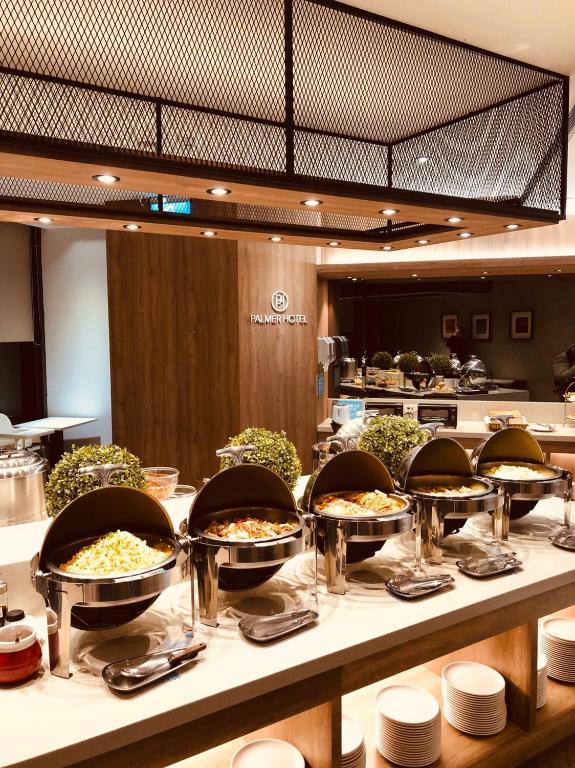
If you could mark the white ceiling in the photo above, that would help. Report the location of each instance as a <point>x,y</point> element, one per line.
<point>540,32</point>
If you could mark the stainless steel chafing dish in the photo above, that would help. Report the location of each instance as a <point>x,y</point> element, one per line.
<point>443,462</point>
<point>100,602</point>
<point>243,490</point>
<point>345,539</point>
<point>517,447</point>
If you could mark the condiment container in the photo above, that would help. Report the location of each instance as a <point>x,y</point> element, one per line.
<point>20,653</point>
<point>16,616</point>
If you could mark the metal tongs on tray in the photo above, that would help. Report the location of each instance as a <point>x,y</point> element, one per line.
<point>134,673</point>
<point>417,586</point>
<point>264,629</point>
<point>490,565</point>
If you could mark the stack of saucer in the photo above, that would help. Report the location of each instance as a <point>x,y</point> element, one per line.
<point>541,679</point>
<point>408,725</point>
<point>558,644</point>
<point>352,744</point>
<point>474,698</point>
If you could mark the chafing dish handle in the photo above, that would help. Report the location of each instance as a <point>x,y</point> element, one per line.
<point>235,452</point>
<point>103,471</point>
<point>432,427</point>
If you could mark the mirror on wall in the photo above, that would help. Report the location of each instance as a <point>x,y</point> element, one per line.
<point>517,325</point>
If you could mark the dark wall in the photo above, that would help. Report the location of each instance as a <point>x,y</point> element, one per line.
<point>395,317</point>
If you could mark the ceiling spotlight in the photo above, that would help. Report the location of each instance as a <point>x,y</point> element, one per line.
<point>209,233</point>
<point>106,178</point>
<point>485,273</point>
<point>422,242</point>
<point>276,239</point>
<point>44,220</point>
<point>549,275</point>
<point>132,227</point>
<point>465,234</point>
<point>454,219</point>
<point>312,202</point>
<point>354,279</point>
<point>558,270</point>
<point>349,277</point>
<point>512,226</point>
<point>389,211</point>
<point>415,274</point>
<point>334,243</point>
<point>421,160</point>
<point>483,277</point>
<point>387,248</point>
<point>219,191</point>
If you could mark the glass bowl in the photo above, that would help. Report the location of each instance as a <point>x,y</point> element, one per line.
<point>161,481</point>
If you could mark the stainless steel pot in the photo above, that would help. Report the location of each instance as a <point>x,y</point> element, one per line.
<point>348,368</point>
<point>23,475</point>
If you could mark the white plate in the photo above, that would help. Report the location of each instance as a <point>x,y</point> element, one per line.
<point>266,752</point>
<point>473,678</point>
<point>351,736</point>
<point>560,629</point>
<point>407,704</point>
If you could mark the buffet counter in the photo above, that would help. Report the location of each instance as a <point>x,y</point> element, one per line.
<point>293,689</point>
<point>498,393</point>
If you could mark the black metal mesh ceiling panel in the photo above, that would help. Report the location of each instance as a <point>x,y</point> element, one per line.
<point>310,92</point>
<point>50,191</point>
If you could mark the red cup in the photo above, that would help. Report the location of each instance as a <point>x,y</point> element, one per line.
<point>20,653</point>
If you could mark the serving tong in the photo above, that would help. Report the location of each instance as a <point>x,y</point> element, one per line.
<point>134,673</point>
<point>264,629</point>
<point>410,587</point>
<point>490,565</point>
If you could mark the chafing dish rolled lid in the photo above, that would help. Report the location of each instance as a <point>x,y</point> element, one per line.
<point>438,457</point>
<point>511,444</point>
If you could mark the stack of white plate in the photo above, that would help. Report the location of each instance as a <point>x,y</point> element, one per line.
<point>264,753</point>
<point>352,744</point>
<point>541,679</point>
<point>474,698</point>
<point>408,725</point>
<point>558,644</point>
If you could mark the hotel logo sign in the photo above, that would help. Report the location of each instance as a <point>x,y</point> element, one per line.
<point>279,303</point>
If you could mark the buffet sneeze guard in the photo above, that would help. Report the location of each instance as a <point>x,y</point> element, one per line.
<point>517,447</point>
<point>89,602</point>
<point>242,490</point>
<point>439,466</point>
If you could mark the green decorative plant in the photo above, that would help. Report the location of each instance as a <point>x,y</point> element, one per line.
<point>272,450</point>
<point>408,362</point>
<point>441,365</point>
<point>382,360</point>
<point>391,438</point>
<point>65,484</point>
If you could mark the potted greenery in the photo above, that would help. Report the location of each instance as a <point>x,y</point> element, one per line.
<point>272,450</point>
<point>382,360</point>
<point>407,364</point>
<point>391,438</point>
<point>65,484</point>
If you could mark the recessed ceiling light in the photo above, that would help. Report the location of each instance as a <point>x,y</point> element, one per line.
<point>415,274</point>
<point>106,178</point>
<point>558,270</point>
<point>512,226</point>
<point>334,243</point>
<point>465,234</point>
<point>387,248</point>
<point>483,277</point>
<point>312,202</point>
<point>44,220</point>
<point>422,242</point>
<point>349,277</point>
<point>219,191</point>
<point>132,227</point>
<point>549,275</point>
<point>389,211</point>
<point>276,239</point>
<point>485,273</point>
<point>354,279</point>
<point>454,219</point>
<point>422,159</point>
<point>209,233</point>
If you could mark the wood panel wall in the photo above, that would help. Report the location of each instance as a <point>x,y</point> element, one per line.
<point>173,348</point>
<point>187,368</point>
<point>278,363</point>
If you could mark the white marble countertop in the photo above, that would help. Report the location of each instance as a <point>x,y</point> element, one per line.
<point>50,722</point>
<point>54,423</point>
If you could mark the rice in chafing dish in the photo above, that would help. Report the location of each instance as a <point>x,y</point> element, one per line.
<point>358,504</point>
<point>245,528</point>
<point>113,553</point>
<point>514,472</point>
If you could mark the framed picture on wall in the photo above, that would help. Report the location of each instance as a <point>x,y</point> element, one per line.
<point>521,324</point>
<point>448,325</point>
<point>481,327</point>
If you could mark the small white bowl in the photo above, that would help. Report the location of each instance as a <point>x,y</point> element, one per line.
<point>264,753</point>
